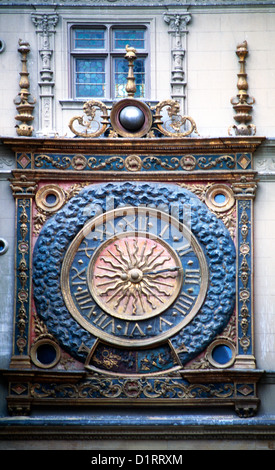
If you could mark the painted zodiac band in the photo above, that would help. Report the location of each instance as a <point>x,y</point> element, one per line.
<point>162,221</point>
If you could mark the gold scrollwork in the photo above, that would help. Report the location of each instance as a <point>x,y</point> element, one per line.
<point>90,108</point>
<point>214,161</point>
<point>225,210</point>
<point>116,162</point>
<point>167,388</point>
<point>199,190</point>
<point>176,121</point>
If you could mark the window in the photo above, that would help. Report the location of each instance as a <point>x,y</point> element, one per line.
<point>99,69</point>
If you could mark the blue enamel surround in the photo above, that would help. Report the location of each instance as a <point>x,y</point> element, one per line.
<point>60,230</point>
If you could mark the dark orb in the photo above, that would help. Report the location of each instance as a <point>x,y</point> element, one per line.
<point>132,118</point>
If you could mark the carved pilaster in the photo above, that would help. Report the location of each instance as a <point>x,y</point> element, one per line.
<point>23,191</point>
<point>178,30</point>
<point>245,191</point>
<point>45,28</point>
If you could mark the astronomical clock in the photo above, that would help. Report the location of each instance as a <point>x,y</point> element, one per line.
<point>134,262</point>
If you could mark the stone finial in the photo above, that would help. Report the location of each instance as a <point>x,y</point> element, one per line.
<point>24,102</point>
<point>242,102</point>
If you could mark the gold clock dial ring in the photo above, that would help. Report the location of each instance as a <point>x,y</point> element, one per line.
<point>138,331</point>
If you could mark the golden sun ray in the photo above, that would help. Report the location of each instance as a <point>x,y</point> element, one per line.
<point>125,279</point>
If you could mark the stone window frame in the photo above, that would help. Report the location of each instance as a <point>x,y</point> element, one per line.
<point>109,53</point>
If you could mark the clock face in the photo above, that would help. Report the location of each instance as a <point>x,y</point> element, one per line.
<point>134,276</point>
<point>143,268</point>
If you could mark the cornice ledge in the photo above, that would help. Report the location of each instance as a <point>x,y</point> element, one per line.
<point>195,428</point>
<point>142,3</point>
<point>164,145</point>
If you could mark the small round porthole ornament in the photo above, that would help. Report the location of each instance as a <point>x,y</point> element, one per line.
<point>50,198</point>
<point>131,118</point>
<point>221,353</point>
<point>2,45</point>
<point>220,198</point>
<point>45,353</point>
<point>4,246</point>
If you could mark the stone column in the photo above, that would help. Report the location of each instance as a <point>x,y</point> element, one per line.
<point>178,30</point>
<point>45,24</point>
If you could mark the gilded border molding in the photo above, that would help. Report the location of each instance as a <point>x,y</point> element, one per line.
<point>136,162</point>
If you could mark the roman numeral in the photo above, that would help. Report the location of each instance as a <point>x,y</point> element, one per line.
<point>78,276</point>
<point>130,332</point>
<point>100,321</point>
<point>184,303</point>
<point>161,321</point>
<point>84,298</point>
<point>192,276</point>
<point>184,249</point>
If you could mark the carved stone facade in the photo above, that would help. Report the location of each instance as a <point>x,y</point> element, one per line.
<point>71,153</point>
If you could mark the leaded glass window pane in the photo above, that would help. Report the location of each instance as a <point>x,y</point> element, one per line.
<point>121,73</point>
<point>90,78</point>
<point>99,67</point>
<point>89,38</point>
<point>133,37</point>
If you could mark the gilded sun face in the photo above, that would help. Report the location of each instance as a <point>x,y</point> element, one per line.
<point>135,276</point>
